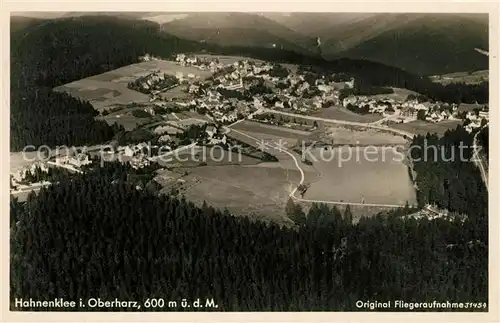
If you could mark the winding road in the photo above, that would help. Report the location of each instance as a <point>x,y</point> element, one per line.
<point>478,160</point>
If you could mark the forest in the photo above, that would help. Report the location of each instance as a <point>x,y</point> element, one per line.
<point>47,55</point>
<point>484,140</point>
<point>107,238</point>
<point>446,175</point>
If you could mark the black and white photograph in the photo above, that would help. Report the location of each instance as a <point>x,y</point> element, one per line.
<point>239,161</point>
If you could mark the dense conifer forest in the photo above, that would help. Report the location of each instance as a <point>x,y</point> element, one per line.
<point>446,174</point>
<point>484,140</point>
<point>97,235</point>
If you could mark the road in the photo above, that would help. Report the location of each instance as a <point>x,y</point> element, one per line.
<point>33,187</point>
<point>302,178</point>
<point>478,160</point>
<point>68,167</point>
<point>343,122</point>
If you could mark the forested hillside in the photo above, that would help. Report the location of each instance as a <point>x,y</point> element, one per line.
<point>109,240</point>
<point>420,43</point>
<point>52,53</point>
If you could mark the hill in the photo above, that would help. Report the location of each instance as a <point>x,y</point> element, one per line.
<point>239,29</point>
<point>18,23</point>
<point>59,51</point>
<point>424,44</point>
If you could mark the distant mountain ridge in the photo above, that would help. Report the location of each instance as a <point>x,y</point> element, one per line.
<point>424,44</point>
<point>238,29</point>
<point>420,43</point>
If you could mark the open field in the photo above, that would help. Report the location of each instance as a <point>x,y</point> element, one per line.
<point>469,107</point>
<point>459,77</point>
<point>174,94</point>
<point>164,18</point>
<point>399,94</point>
<point>346,135</point>
<point>23,196</point>
<point>110,89</point>
<point>207,156</point>
<point>103,93</point>
<point>260,191</point>
<point>423,127</point>
<point>128,121</point>
<point>341,113</point>
<point>19,160</point>
<point>353,174</point>
<point>271,132</point>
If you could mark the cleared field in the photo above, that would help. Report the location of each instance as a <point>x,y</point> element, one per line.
<point>272,133</point>
<point>164,18</point>
<point>469,106</point>
<point>398,95</point>
<point>23,196</point>
<point>185,123</point>
<point>110,88</point>
<point>423,127</point>
<point>207,156</point>
<point>354,174</point>
<point>342,135</point>
<point>341,113</point>
<point>19,160</point>
<point>128,121</point>
<point>103,94</point>
<point>465,77</point>
<point>245,190</point>
<point>176,93</point>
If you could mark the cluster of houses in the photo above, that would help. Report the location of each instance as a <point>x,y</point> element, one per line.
<point>289,90</point>
<point>134,155</point>
<point>75,161</point>
<point>202,64</point>
<point>154,83</point>
<point>432,212</point>
<point>215,136</point>
<point>407,110</point>
<point>474,119</point>
<point>147,58</point>
<point>18,178</point>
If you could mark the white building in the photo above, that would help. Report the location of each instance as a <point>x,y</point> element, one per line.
<point>484,115</point>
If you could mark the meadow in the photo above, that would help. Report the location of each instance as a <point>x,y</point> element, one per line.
<point>423,127</point>
<point>347,175</point>
<point>109,89</point>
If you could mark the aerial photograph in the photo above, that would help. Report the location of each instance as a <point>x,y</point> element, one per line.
<point>249,162</point>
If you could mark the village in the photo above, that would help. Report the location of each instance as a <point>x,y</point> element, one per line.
<point>225,93</point>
